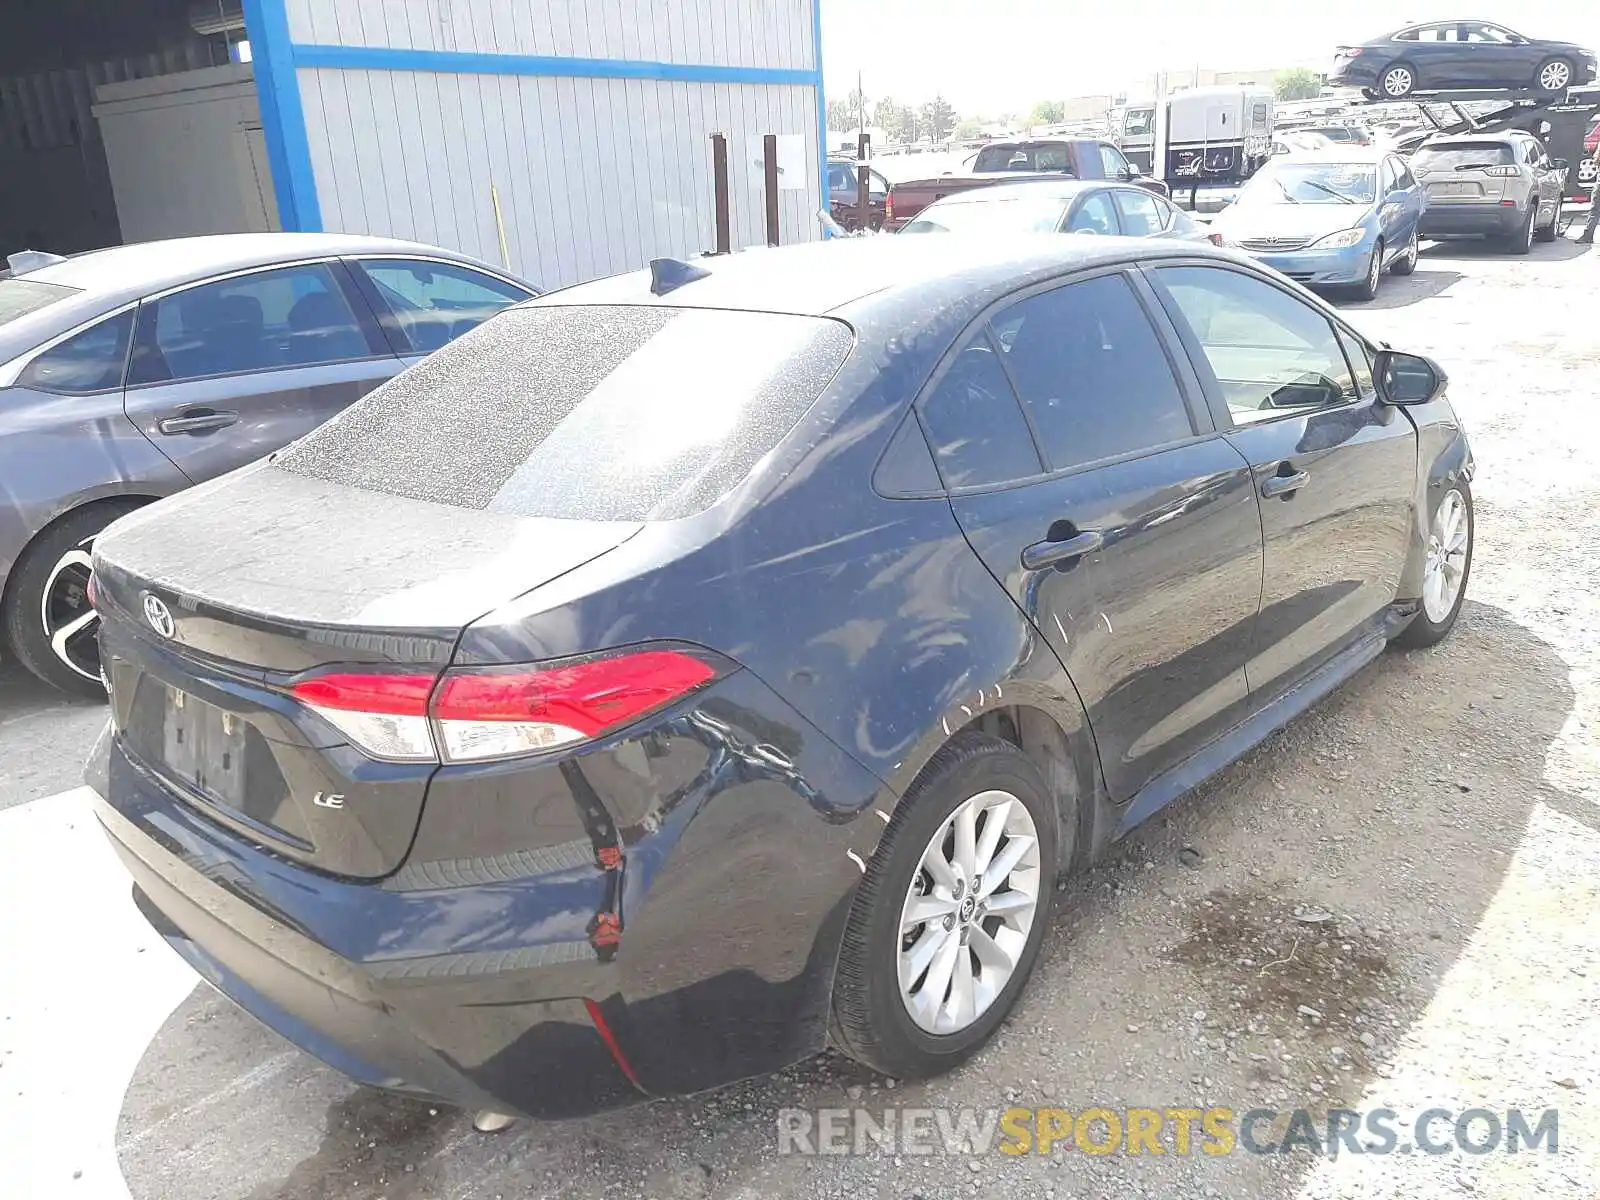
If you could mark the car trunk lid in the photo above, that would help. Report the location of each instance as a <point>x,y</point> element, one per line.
<point>282,576</point>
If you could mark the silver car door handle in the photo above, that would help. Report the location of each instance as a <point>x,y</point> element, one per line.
<point>199,423</point>
<point>1049,554</point>
<point>1285,485</point>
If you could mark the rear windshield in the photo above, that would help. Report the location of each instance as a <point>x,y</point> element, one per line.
<point>1024,158</point>
<point>1010,214</point>
<point>19,297</point>
<point>1461,156</point>
<point>606,412</point>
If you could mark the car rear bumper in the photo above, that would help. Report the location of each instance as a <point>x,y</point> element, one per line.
<point>1361,71</point>
<point>1491,219</point>
<point>1321,268</point>
<point>504,982</point>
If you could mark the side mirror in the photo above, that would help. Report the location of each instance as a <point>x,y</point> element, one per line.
<point>1408,378</point>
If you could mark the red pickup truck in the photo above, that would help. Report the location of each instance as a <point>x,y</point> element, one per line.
<point>1012,161</point>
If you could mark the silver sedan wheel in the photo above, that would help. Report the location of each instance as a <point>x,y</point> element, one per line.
<point>70,623</point>
<point>1448,544</point>
<point>1555,76</point>
<point>1398,81</point>
<point>968,912</point>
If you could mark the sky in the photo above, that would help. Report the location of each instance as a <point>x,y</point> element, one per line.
<point>993,56</point>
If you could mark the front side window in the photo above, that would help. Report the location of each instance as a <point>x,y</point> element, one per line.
<point>1140,216</point>
<point>89,361</point>
<point>1112,162</point>
<point>1091,372</point>
<point>977,432</point>
<point>432,303</point>
<point>269,320</point>
<point>1270,352</point>
<point>1355,352</point>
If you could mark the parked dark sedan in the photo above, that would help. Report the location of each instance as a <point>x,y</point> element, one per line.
<point>807,613</point>
<point>129,373</point>
<point>1460,54</point>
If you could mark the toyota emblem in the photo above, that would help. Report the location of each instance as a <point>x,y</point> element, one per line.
<point>159,616</point>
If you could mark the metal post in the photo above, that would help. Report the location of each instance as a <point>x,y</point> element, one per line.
<point>863,182</point>
<point>719,191</point>
<point>769,155</point>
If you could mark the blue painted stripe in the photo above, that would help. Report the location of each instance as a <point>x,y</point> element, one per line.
<point>283,119</point>
<point>462,62</point>
<point>822,102</point>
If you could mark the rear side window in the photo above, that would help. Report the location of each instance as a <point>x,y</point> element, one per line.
<point>19,297</point>
<point>268,320</point>
<point>90,361</point>
<point>604,412</point>
<point>977,432</point>
<point>1091,372</point>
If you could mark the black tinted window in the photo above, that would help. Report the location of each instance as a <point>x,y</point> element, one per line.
<point>974,425</point>
<point>290,317</point>
<point>1091,372</point>
<point>604,412</point>
<point>90,361</point>
<point>1094,215</point>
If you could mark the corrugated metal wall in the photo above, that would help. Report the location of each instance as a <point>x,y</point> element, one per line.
<point>595,175</point>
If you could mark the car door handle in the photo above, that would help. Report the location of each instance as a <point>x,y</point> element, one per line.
<point>199,422</point>
<point>1049,554</point>
<point>1285,485</point>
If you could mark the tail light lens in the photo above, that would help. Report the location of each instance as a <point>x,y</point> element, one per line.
<point>1501,172</point>
<point>888,206</point>
<point>1216,239</point>
<point>1349,52</point>
<point>477,714</point>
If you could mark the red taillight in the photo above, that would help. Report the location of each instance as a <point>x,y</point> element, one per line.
<point>1349,52</point>
<point>500,712</point>
<point>1216,239</point>
<point>1502,172</point>
<point>888,207</point>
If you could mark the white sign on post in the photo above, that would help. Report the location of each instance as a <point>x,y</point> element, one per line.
<point>791,163</point>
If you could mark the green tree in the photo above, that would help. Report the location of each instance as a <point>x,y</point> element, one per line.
<point>1298,83</point>
<point>938,119</point>
<point>967,129</point>
<point>1048,112</point>
<point>841,117</point>
<point>896,120</point>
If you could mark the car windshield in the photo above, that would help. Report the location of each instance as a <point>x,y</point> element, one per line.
<point>1023,158</point>
<point>1311,183</point>
<point>1463,156</point>
<point>603,412</point>
<point>19,297</point>
<point>1009,214</point>
<point>1137,121</point>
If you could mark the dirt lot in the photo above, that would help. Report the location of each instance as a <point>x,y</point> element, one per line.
<point>1390,904</point>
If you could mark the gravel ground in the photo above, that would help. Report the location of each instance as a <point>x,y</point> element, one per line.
<point>1386,905</point>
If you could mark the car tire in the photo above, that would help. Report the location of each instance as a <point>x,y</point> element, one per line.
<point>1436,613</point>
<point>46,594</point>
<point>1553,77</point>
<point>1367,289</point>
<point>1407,262</point>
<point>1397,75</point>
<point>887,1013</point>
<point>1521,241</point>
<point>1548,233</point>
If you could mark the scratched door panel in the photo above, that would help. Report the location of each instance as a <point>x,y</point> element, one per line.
<point>1155,625</point>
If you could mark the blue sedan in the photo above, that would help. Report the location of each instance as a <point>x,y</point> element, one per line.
<point>1330,219</point>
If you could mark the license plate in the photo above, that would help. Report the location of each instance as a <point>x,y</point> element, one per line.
<point>1454,189</point>
<point>204,746</point>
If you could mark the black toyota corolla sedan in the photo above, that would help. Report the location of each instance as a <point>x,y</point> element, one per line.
<point>688,668</point>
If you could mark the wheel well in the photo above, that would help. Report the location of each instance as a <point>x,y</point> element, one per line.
<point>130,502</point>
<point>1036,733</point>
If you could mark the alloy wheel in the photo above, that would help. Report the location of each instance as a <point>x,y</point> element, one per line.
<point>1375,270</point>
<point>1555,76</point>
<point>968,912</point>
<point>1398,81</point>
<point>1446,563</point>
<point>70,622</point>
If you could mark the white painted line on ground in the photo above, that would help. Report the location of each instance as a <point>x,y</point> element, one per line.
<point>85,983</point>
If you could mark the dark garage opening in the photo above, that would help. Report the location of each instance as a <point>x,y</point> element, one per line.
<point>122,120</point>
